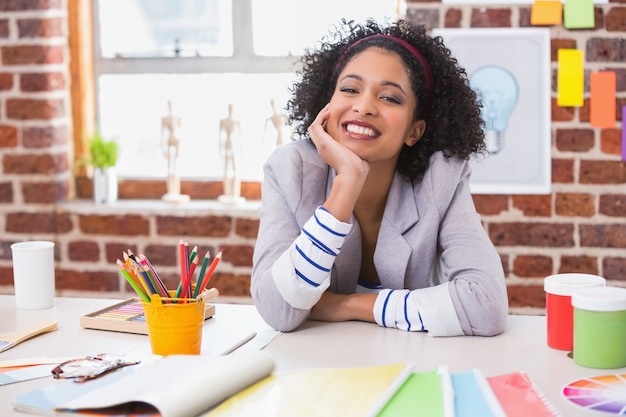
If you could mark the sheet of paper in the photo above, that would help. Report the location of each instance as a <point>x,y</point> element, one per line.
<point>578,14</point>
<point>549,12</point>
<point>602,102</point>
<point>570,78</point>
<point>26,373</point>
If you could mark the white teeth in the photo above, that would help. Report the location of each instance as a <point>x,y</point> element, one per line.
<point>360,130</point>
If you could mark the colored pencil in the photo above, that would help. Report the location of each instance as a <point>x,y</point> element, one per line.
<point>183,267</point>
<point>205,263</point>
<point>132,282</point>
<point>192,269</point>
<point>209,273</point>
<point>159,282</point>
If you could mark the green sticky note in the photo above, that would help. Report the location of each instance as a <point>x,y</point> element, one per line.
<point>578,14</point>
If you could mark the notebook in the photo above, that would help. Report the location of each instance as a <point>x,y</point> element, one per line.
<point>473,397</point>
<point>520,397</point>
<point>318,392</point>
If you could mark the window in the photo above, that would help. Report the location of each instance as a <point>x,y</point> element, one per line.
<point>202,57</point>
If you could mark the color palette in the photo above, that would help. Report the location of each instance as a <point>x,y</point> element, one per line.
<point>127,316</point>
<point>600,393</point>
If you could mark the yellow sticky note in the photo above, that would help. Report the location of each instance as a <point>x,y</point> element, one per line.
<point>570,78</point>
<point>602,102</point>
<point>578,14</point>
<point>546,12</point>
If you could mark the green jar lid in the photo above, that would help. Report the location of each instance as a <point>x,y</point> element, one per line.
<point>566,284</point>
<point>600,299</point>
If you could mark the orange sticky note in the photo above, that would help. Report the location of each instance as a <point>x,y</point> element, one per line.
<point>602,102</point>
<point>570,78</point>
<point>546,12</point>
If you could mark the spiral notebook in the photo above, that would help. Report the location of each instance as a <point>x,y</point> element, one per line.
<point>520,397</point>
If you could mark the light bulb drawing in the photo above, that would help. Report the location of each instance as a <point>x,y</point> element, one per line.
<point>499,92</point>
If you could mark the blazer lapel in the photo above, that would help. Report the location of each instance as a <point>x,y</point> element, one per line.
<point>393,252</point>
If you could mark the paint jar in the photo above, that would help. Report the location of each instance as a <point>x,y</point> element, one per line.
<point>600,327</point>
<point>559,310</point>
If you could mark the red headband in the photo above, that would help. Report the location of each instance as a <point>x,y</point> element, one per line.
<point>417,54</point>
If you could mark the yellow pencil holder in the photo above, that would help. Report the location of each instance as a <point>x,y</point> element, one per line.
<point>175,324</point>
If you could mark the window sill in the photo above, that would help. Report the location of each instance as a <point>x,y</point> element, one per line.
<point>247,209</point>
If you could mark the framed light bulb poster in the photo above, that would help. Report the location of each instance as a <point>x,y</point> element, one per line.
<point>510,71</point>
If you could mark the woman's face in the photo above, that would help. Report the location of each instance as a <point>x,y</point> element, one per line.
<point>371,110</point>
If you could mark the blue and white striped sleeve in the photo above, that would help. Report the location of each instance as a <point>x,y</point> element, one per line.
<point>302,273</point>
<point>427,309</point>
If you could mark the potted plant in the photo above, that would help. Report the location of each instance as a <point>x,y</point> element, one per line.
<point>103,156</point>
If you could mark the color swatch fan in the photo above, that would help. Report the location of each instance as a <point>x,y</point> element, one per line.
<point>601,393</point>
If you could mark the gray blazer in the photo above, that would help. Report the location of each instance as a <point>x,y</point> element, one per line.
<point>430,234</point>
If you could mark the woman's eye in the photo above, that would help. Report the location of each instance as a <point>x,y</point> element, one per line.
<point>392,99</point>
<point>348,90</point>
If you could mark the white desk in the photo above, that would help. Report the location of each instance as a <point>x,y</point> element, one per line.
<point>522,347</point>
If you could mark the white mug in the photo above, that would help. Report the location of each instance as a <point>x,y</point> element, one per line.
<point>33,274</point>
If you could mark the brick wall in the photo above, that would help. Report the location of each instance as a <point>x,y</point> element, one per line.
<point>579,227</point>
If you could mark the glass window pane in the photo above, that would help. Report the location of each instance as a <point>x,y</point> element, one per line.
<point>165,28</point>
<point>131,108</point>
<point>304,23</point>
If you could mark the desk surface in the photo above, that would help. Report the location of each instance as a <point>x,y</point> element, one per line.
<point>522,347</point>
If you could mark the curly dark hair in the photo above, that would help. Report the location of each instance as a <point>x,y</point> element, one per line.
<point>453,121</point>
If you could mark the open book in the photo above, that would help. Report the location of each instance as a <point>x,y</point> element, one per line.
<point>172,386</point>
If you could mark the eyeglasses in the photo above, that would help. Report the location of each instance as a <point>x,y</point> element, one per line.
<point>90,367</point>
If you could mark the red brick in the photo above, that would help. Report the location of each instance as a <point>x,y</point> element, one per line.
<point>533,205</point>
<point>616,19</point>
<point>611,141</point>
<point>524,17</point>
<point>488,17</point>
<point>490,204</point>
<point>580,264</point>
<point>428,17</point>
<point>603,235</point>
<point>602,172</point>
<point>35,163</point>
<point>613,205</point>
<point>45,81</point>
<point>83,251</point>
<point>45,192</point>
<point>4,28</point>
<point>574,140</point>
<point>6,192</point>
<point>526,296</point>
<point>67,279</point>
<point>6,276</point>
<point>114,251</point>
<point>614,268</point>
<point>205,226</point>
<point>21,5</point>
<point>238,255</point>
<point>562,171</point>
<point>40,28</point>
<point>235,285</point>
<point>562,114</point>
<point>247,227</point>
<point>532,234</point>
<point>534,266</point>
<point>453,18</point>
<point>8,136</point>
<point>604,50</point>
<point>6,81</point>
<point>123,225</point>
<point>164,255</point>
<point>32,54</point>
<point>45,136</point>
<point>574,204</point>
<point>38,223</point>
<point>29,109</point>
